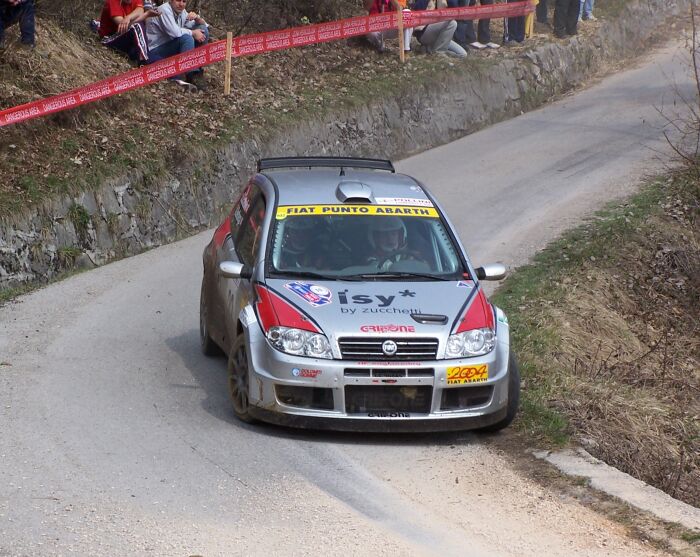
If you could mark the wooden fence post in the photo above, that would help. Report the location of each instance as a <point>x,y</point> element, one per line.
<point>227,74</point>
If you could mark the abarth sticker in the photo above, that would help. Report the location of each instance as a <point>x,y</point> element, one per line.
<point>461,375</point>
<point>285,211</point>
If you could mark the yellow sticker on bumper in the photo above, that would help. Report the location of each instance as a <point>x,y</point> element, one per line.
<point>285,211</point>
<point>461,375</point>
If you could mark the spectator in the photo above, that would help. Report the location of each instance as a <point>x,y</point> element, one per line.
<point>376,38</point>
<point>175,32</point>
<point>513,29</point>
<point>586,11</point>
<point>121,27</point>
<point>17,11</point>
<point>437,37</point>
<point>566,18</point>
<point>464,36</point>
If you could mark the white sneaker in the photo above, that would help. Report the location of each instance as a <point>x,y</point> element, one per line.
<point>477,45</point>
<point>186,85</point>
<point>493,45</point>
<point>591,18</point>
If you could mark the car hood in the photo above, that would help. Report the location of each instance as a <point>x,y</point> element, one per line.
<point>385,308</point>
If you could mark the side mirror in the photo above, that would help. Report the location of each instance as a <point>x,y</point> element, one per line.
<point>492,271</point>
<point>233,270</point>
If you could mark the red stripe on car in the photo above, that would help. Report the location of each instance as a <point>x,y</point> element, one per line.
<point>289,316</point>
<point>221,232</point>
<point>478,315</point>
<point>274,310</point>
<point>265,308</point>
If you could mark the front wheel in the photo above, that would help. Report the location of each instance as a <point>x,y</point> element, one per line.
<point>513,397</point>
<point>239,380</point>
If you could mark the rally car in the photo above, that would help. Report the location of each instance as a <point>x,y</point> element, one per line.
<point>344,300</point>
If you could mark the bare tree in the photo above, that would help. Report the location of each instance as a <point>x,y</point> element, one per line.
<point>683,135</point>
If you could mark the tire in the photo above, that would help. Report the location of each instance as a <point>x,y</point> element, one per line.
<point>206,343</point>
<point>513,398</point>
<point>239,380</point>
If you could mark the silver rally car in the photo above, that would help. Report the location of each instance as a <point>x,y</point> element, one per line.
<point>344,300</point>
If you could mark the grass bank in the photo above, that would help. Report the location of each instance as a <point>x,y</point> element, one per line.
<point>606,323</point>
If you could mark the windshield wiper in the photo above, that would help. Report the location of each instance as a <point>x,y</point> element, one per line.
<point>390,275</point>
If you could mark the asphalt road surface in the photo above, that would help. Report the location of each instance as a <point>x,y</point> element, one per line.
<point>116,434</point>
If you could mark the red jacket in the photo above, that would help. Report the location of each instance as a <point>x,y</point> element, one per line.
<point>114,8</point>
<point>380,6</point>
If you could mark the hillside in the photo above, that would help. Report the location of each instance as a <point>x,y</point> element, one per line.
<point>162,127</point>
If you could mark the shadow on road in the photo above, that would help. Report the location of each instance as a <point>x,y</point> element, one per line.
<point>210,375</point>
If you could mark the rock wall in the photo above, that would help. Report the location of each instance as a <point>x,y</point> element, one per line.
<point>137,212</point>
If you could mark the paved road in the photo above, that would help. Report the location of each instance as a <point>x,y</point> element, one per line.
<point>116,436</point>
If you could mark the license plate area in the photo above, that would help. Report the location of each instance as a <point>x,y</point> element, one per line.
<point>363,399</point>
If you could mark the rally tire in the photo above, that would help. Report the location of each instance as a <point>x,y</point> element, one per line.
<point>513,397</point>
<point>206,343</point>
<point>239,380</point>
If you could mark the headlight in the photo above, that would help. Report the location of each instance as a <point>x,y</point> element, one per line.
<point>300,343</point>
<point>476,342</point>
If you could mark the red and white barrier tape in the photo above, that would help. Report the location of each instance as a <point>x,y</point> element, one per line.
<point>248,45</point>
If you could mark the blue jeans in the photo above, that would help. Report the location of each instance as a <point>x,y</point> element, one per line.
<point>586,9</point>
<point>465,28</point>
<point>23,14</point>
<point>183,43</point>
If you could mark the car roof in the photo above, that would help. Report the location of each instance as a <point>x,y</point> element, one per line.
<point>319,185</point>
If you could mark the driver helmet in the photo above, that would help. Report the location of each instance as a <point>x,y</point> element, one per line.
<point>387,234</point>
<point>297,235</point>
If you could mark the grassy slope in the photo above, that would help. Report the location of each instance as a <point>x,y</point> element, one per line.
<point>606,323</point>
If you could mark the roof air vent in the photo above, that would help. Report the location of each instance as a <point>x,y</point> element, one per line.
<point>354,192</point>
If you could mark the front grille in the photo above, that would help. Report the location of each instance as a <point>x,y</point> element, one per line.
<point>364,348</point>
<point>389,372</point>
<point>363,399</point>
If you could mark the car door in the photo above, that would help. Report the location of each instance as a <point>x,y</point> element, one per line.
<point>242,248</point>
<point>225,251</point>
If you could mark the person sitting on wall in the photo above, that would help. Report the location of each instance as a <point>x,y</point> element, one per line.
<point>376,38</point>
<point>436,38</point>
<point>121,27</point>
<point>174,32</point>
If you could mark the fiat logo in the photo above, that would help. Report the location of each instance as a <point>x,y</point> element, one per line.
<point>389,347</point>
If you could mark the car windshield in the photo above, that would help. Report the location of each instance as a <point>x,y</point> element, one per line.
<point>364,247</point>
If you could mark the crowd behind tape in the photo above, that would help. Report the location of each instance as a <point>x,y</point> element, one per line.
<point>248,45</point>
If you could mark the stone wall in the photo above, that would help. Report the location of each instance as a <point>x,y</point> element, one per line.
<point>131,214</point>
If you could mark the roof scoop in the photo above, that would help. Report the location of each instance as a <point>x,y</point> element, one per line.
<point>354,192</point>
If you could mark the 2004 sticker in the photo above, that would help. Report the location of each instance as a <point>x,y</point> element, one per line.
<point>461,375</point>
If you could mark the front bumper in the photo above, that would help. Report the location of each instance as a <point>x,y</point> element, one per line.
<point>410,396</point>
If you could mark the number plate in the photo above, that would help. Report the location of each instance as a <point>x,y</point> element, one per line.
<point>461,375</point>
